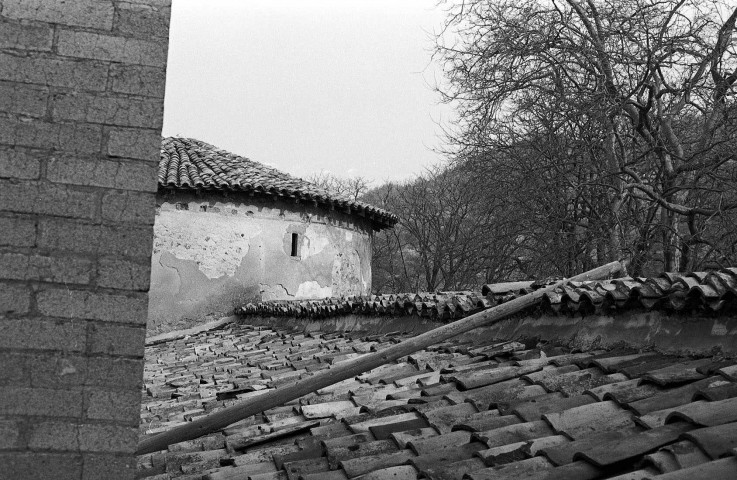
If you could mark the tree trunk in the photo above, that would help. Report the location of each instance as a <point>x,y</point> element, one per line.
<point>689,252</point>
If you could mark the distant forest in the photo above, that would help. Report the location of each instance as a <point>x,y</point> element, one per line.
<point>587,131</point>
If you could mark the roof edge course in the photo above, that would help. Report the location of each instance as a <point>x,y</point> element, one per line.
<point>191,164</point>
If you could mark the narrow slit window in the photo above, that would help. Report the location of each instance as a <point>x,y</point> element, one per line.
<point>295,244</point>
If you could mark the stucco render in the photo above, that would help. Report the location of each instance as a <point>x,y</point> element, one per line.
<point>211,254</point>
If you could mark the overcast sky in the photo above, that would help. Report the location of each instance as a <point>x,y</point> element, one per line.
<point>343,86</point>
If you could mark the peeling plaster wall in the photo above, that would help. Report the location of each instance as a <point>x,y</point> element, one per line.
<point>213,253</point>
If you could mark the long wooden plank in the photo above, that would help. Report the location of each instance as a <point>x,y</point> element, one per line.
<point>177,334</point>
<point>352,368</point>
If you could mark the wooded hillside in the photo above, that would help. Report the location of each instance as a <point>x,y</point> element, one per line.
<point>587,131</point>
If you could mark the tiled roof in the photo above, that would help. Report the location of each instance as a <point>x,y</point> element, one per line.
<point>187,163</point>
<point>679,292</point>
<point>477,411</point>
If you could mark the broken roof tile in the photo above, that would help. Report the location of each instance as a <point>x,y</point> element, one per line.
<point>384,431</point>
<point>676,456</point>
<point>263,454</point>
<point>325,475</point>
<point>488,376</point>
<point>525,394</point>
<point>337,454</point>
<point>426,377</point>
<point>675,396</point>
<point>623,385</point>
<point>613,364</point>
<point>578,470</point>
<point>707,414</point>
<point>729,372</point>
<point>640,366</point>
<point>487,420</point>
<point>717,441</point>
<point>401,472</point>
<point>433,444</point>
<point>443,419</point>
<point>362,465</point>
<point>573,382</point>
<point>613,452</point>
<point>724,469</point>
<point>550,403</point>
<point>330,409</point>
<point>454,471</point>
<point>331,430</point>
<point>236,472</point>
<point>423,405</point>
<point>718,392</point>
<point>484,397</point>
<point>521,469</point>
<point>631,394</point>
<point>514,433</point>
<point>279,475</point>
<point>305,454</point>
<point>403,438</point>
<point>677,373</point>
<point>440,389</point>
<point>511,452</point>
<point>548,372</point>
<point>363,426</point>
<point>533,446</point>
<point>299,468</point>
<point>346,440</point>
<point>446,456</point>
<point>578,422</point>
<point>563,454</point>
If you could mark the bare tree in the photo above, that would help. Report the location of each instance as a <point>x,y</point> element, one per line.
<point>346,187</point>
<point>642,90</point>
<point>392,270</point>
<point>450,235</point>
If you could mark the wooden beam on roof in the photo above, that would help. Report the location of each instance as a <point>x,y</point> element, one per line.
<point>351,368</point>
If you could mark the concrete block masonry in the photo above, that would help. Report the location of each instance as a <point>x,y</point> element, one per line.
<point>120,49</point>
<point>105,110</point>
<point>134,143</point>
<point>42,334</point>
<point>80,13</point>
<point>30,100</point>
<point>90,305</point>
<point>54,72</point>
<point>27,37</point>
<point>138,80</point>
<point>101,173</point>
<point>143,21</point>
<point>129,241</point>
<point>81,108</point>
<point>17,232</point>
<point>19,266</point>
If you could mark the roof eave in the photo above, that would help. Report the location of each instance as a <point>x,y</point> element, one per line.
<point>380,219</point>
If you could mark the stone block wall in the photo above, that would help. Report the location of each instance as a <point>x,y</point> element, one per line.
<point>81,106</point>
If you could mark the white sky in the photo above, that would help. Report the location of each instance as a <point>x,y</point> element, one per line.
<point>343,86</point>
